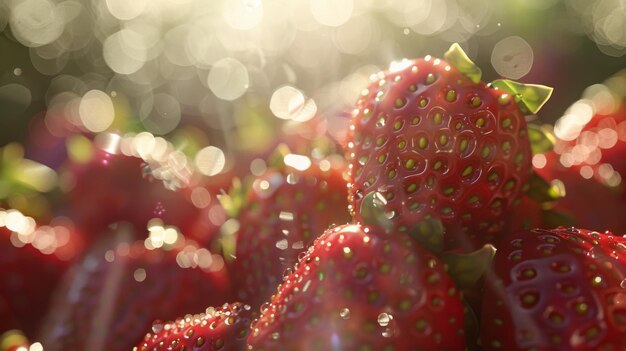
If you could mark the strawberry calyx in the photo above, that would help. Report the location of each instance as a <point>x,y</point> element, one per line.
<point>528,97</point>
<point>464,268</point>
<point>467,268</point>
<point>457,58</point>
<point>541,139</point>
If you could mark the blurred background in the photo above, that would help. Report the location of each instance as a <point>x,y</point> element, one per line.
<point>232,74</point>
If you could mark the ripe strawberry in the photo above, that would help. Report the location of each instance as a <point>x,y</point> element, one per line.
<point>559,289</point>
<point>438,142</point>
<point>282,213</point>
<point>595,149</point>
<point>361,288</point>
<point>108,300</point>
<point>116,187</point>
<point>26,278</point>
<point>579,192</point>
<point>224,328</point>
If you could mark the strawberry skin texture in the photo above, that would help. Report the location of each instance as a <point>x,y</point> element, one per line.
<point>359,288</point>
<point>224,328</point>
<point>108,300</point>
<point>559,289</point>
<point>437,145</point>
<point>284,212</point>
<point>26,279</point>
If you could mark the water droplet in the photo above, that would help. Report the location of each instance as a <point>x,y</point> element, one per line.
<point>287,273</point>
<point>157,326</point>
<point>390,214</point>
<point>282,244</point>
<point>344,313</point>
<point>264,307</point>
<point>623,284</point>
<point>275,336</point>
<point>384,319</point>
<point>380,122</point>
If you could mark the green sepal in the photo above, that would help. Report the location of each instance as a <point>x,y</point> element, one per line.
<point>467,268</point>
<point>472,327</point>
<point>277,158</point>
<point>457,58</point>
<point>541,139</point>
<point>429,233</point>
<point>233,200</point>
<point>529,97</point>
<point>372,210</point>
<point>540,190</point>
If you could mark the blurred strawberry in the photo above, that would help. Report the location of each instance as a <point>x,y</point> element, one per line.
<point>223,328</point>
<point>110,298</point>
<point>609,206</point>
<point>109,187</point>
<point>27,277</point>
<point>284,210</point>
<point>594,149</point>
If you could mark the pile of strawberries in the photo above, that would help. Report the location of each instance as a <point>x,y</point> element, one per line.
<point>421,238</point>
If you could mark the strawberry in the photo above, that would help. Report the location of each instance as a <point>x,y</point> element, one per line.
<point>26,278</point>
<point>280,217</point>
<point>579,192</point>
<point>361,288</point>
<point>108,299</point>
<point>437,142</point>
<point>112,187</point>
<point>559,289</point>
<point>224,328</point>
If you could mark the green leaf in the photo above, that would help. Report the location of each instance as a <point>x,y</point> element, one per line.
<point>541,139</point>
<point>277,158</point>
<point>529,97</point>
<point>467,268</point>
<point>429,233</point>
<point>472,327</point>
<point>542,191</point>
<point>457,58</point>
<point>233,201</point>
<point>372,210</point>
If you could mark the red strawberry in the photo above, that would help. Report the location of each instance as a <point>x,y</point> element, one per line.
<point>224,328</point>
<point>26,278</point>
<point>438,142</point>
<point>580,192</point>
<point>108,300</point>
<point>560,289</point>
<point>281,215</point>
<point>361,288</point>
<point>116,187</point>
<point>595,149</point>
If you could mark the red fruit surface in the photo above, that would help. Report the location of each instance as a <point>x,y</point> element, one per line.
<point>224,328</point>
<point>27,277</point>
<point>560,289</point>
<point>360,288</point>
<point>608,205</point>
<point>109,299</point>
<point>596,149</point>
<point>115,187</point>
<point>283,213</point>
<point>436,144</point>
